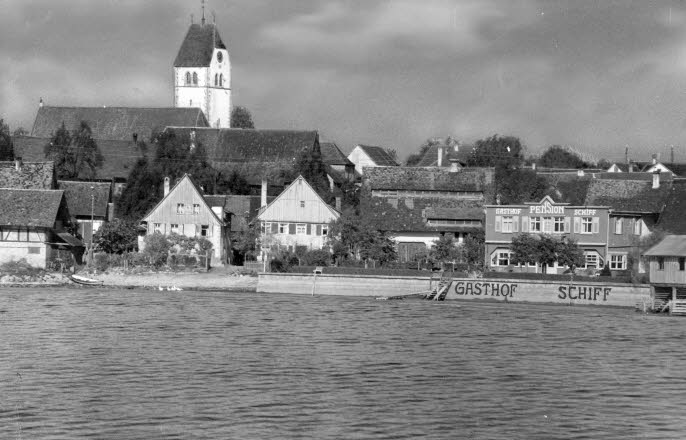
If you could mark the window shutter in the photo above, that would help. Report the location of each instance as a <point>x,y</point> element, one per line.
<point>319,230</point>
<point>567,228</point>
<point>291,228</point>
<point>515,223</point>
<point>596,225</point>
<point>498,223</point>
<point>275,228</point>
<point>525,223</point>
<point>309,229</point>
<point>577,225</point>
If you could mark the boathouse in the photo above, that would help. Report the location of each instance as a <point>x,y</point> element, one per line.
<point>667,268</point>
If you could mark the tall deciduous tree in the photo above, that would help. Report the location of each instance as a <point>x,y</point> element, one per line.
<point>116,237</point>
<point>559,157</point>
<point>505,151</point>
<point>241,118</point>
<point>76,154</point>
<point>309,164</point>
<point>545,250</point>
<point>6,146</point>
<point>518,185</point>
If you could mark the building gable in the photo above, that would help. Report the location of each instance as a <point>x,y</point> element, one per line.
<point>185,193</point>
<point>299,202</point>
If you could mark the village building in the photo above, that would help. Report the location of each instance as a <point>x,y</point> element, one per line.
<point>445,153</point>
<point>296,217</point>
<point>34,226</point>
<point>185,210</point>
<point>587,225</point>
<point>418,205</point>
<point>27,175</point>
<point>370,156</point>
<point>90,205</point>
<point>667,273</point>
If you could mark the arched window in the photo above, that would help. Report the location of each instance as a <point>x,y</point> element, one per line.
<point>215,79</point>
<point>195,79</point>
<point>188,78</point>
<point>221,80</point>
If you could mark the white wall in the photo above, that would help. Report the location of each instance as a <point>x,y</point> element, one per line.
<point>360,159</point>
<point>16,250</point>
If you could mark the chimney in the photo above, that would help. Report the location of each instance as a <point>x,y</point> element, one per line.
<point>656,179</point>
<point>40,103</point>
<point>17,163</point>
<point>454,166</point>
<point>654,159</point>
<point>263,194</point>
<point>166,186</point>
<point>338,203</point>
<point>440,156</point>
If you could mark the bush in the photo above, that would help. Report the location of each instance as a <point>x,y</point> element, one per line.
<point>606,272</point>
<point>156,249</point>
<point>317,257</point>
<point>116,237</point>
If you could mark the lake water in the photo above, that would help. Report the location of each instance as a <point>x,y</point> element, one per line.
<point>96,363</point>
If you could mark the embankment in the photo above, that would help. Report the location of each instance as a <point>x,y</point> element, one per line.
<point>509,290</point>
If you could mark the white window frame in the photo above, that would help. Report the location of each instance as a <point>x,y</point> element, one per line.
<point>559,225</point>
<point>196,208</point>
<point>535,224</point>
<point>174,228</point>
<point>325,229</point>
<point>592,256</point>
<point>618,261</point>
<point>618,225</point>
<point>586,225</point>
<point>283,228</point>
<point>180,208</point>
<point>205,231</point>
<point>637,226</point>
<point>300,229</point>
<point>507,224</point>
<point>547,225</point>
<point>157,227</point>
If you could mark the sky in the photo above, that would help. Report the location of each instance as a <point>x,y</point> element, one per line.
<point>597,76</point>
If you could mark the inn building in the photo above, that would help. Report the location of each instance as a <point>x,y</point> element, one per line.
<point>587,225</point>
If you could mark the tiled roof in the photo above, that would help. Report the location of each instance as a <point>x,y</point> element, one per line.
<point>677,168</point>
<point>627,195</point>
<point>119,156</point>
<point>235,145</point>
<point>116,123</point>
<point>31,175</point>
<point>673,217</point>
<point>332,155</point>
<point>410,215</point>
<point>244,210</point>
<point>78,195</point>
<point>430,157</point>
<point>198,46</point>
<point>429,179</point>
<point>30,207</point>
<point>670,246</point>
<point>379,155</point>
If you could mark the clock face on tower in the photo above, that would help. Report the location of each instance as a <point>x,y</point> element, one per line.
<point>220,57</point>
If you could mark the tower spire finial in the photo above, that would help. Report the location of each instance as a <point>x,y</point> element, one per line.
<point>203,12</point>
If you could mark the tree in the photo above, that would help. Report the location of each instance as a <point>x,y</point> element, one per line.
<point>560,157</point>
<point>545,250</point>
<point>6,146</point>
<point>355,234</point>
<point>76,154</point>
<point>309,164</point>
<point>444,249</point>
<point>143,190</point>
<point>393,153</point>
<point>116,237</point>
<point>518,185</point>
<point>232,182</point>
<point>247,243</point>
<point>241,118</point>
<point>505,151</point>
<point>473,248</point>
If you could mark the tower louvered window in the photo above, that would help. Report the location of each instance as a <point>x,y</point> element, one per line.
<point>216,77</point>
<point>195,79</point>
<point>221,80</point>
<point>188,78</point>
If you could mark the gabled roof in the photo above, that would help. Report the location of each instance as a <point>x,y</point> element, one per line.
<point>430,157</point>
<point>116,123</point>
<point>119,156</point>
<point>670,246</point>
<point>78,195</point>
<point>30,207</point>
<point>236,145</point>
<point>429,179</point>
<point>623,167</point>
<point>31,175</point>
<point>185,178</point>
<point>627,195</point>
<point>198,46</point>
<point>673,217</point>
<point>299,180</point>
<point>379,155</point>
<point>332,155</point>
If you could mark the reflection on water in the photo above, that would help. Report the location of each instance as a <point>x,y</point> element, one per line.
<point>150,364</point>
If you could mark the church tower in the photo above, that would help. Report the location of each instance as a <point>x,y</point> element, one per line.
<point>202,74</point>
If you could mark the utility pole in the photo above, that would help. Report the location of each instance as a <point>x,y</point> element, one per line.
<point>90,250</point>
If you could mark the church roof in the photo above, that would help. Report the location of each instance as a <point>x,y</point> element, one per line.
<point>198,46</point>
<point>115,123</point>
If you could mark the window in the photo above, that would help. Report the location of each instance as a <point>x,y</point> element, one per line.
<point>220,57</point>
<point>503,258</point>
<point>660,263</point>
<point>535,224</point>
<point>592,260</point>
<point>195,79</point>
<point>586,225</point>
<point>221,80</point>
<point>188,78</point>
<point>682,263</point>
<point>618,262</point>
<point>325,229</point>
<point>507,223</point>
<point>204,230</point>
<point>157,227</point>
<point>283,228</point>
<point>618,225</point>
<point>216,79</point>
<point>175,228</point>
<point>547,225</point>
<point>302,203</point>
<point>180,208</point>
<point>196,208</point>
<point>637,226</point>
<point>301,229</point>
<point>559,224</point>
<point>34,250</point>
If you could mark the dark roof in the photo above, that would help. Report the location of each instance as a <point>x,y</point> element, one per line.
<point>677,168</point>
<point>116,123</point>
<point>31,175</point>
<point>379,155</point>
<point>70,239</point>
<point>30,207</point>
<point>198,46</point>
<point>627,195</point>
<point>430,157</point>
<point>78,195</point>
<point>624,167</point>
<point>236,145</point>
<point>244,209</point>
<point>119,156</point>
<point>332,155</point>
<point>670,246</point>
<point>411,214</point>
<point>673,217</point>
<point>429,179</point>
